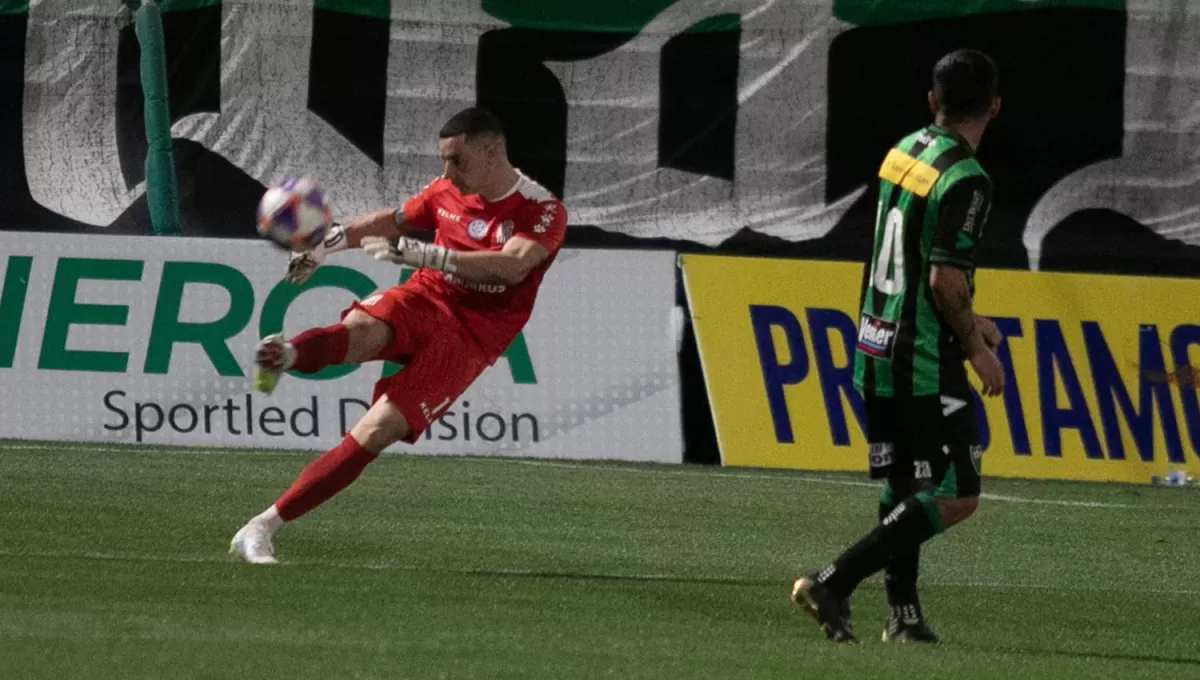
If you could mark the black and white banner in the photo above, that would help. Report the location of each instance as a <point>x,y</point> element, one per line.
<point>709,122</point>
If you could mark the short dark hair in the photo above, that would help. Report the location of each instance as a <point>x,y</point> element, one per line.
<point>964,82</point>
<point>471,122</point>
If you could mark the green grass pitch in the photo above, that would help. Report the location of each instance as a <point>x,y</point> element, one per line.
<point>113,564</point>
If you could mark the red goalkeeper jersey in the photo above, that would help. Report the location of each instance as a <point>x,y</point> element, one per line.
<point>492,313</point>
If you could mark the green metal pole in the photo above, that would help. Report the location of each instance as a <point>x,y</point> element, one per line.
<point>162,191</point>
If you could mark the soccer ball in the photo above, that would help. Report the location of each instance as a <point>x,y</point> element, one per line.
<point>294,214</point>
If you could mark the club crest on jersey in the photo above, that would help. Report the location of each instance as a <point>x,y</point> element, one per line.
<point>876,337</point>
<point>976,456</point>
<point>476,228</point>
<point>504,232</point>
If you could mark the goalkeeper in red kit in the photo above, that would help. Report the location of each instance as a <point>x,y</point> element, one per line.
<point>496,232</point>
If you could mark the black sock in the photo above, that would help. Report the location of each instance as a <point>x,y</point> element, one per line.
<point>900,575</point>
<point>913,522</point>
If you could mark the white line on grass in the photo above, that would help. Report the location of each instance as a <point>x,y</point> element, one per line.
<point>1078,504</point>
<point>527,573</point>
<point>84,448</point>
<point>815,480</point>
<point>80,447</point>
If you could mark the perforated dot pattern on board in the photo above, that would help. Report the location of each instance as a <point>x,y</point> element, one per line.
<point>604,364</point>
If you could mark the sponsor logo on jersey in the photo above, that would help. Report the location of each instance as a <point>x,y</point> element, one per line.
<point>973,212</point>
<point>908,172</point>
<point>876,337</point>
<point>442,212</point>
<point>477,228</point>
<point>491,288</point>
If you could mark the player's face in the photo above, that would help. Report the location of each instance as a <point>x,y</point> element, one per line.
<point>466,163</point>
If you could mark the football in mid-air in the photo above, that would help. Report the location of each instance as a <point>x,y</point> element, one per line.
<point>294,214</point>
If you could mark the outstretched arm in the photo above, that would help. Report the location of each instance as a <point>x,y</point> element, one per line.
<point>537,236</point>
<point>508,266</point>
<point>388,223</point>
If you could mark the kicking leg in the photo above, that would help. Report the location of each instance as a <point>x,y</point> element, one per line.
<point>360,337</point>
<point>443,360</point>
<point>323,478</point>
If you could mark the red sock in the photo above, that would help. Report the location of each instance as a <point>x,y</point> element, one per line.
<point>317,348</point>
<point>321,479</point>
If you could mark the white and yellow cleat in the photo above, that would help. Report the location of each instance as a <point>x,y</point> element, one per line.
<point>272,357</point>
<point>253,544</point>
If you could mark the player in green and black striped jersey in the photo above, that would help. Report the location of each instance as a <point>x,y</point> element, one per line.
<point>915,330</point>
<point>934,198</point>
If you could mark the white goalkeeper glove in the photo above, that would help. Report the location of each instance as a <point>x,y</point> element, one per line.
<point>301,265</point>
<point>411,252</point>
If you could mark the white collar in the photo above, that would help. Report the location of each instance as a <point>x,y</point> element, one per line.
<point>513,190</point>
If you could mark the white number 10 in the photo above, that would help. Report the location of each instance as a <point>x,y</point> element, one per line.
<point>891,254</point>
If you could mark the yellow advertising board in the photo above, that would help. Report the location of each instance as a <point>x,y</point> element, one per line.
<point>1099,378</point>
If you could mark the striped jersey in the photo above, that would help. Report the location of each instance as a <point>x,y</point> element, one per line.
<point>934,199</point>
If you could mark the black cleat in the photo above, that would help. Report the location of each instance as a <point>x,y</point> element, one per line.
<point>829,612</point>
<point>910,630</point>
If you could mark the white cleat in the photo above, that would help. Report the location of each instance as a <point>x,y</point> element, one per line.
<point>253,543</point>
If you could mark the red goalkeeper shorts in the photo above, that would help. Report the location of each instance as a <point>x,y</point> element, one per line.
<point>440,357</point>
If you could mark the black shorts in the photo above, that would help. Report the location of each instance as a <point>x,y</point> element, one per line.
<point>933,439</point>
